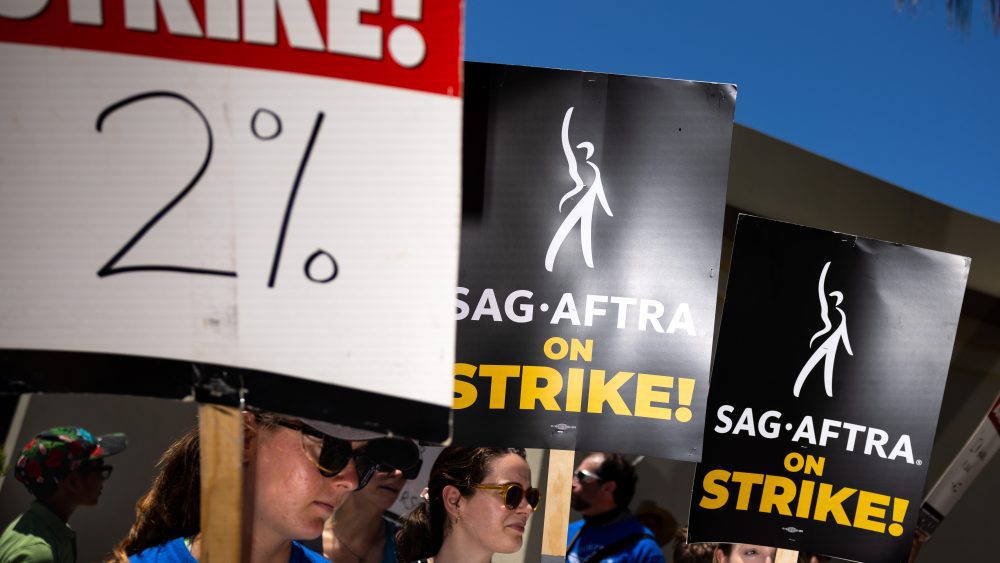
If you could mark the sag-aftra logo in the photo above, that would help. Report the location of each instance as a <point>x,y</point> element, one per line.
<point>583,212</point>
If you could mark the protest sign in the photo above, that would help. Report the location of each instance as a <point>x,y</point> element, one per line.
<point>251,199</point>
<point>410,495</point>
<point>831,363</point>
<point>590,249</point>
<point>977,452</point>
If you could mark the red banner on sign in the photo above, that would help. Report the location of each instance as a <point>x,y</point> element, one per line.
<point>412,44</point>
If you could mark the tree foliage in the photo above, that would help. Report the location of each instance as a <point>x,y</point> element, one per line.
<point>960,12</point>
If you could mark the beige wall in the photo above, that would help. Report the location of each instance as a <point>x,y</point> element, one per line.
<point>773,179</point>
<point>151,426</point>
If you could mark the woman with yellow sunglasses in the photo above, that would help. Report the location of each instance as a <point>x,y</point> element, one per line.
<point>477,503</point>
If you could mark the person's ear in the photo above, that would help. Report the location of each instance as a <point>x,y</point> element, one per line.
<point>609,487</point>
<point>452,499</point>
<point>718,556</point>
<point>73,482</point>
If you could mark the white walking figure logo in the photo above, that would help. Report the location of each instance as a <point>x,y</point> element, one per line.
<point>583,211</point>
<point>828,349</point>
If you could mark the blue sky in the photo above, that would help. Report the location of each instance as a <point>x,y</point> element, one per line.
<point>903,95</point>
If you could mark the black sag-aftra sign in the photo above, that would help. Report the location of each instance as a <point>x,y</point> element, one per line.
<point>829,371</point>
<point>592,224</point>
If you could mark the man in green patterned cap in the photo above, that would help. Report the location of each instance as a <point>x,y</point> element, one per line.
<point>63,468</point>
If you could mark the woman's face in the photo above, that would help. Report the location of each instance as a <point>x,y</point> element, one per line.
<point>382,490</point>
<point>484,518</point>
<point>292,499</point>
<point>747,553</point>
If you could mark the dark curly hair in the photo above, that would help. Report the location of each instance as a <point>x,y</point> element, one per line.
<point>685,552</point>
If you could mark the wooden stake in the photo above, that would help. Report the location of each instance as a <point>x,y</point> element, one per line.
<point>221,435</point>
<point>557,493</point>
<point>786,556</point>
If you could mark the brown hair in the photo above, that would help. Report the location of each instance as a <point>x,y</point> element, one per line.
<point>685,552</point>
<point>423,529</point>
<point>172,507</point>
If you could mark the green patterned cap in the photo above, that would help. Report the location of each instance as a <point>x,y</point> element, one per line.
<point>51,455</point>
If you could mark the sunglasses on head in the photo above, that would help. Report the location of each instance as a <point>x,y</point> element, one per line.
<point>513,493</point>
<point>394,454</point>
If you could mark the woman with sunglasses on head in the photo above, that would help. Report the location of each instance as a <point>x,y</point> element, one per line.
<point>478,502</point>
<point>362,529</point>
<point>295,476</point>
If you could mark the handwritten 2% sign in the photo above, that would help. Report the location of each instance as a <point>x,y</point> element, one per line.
<point>277,194</point>
<point>271,130</point>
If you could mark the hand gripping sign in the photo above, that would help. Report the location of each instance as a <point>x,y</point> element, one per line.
<point>268,185</point>
<point>590,252</point>
<point>828,377</point>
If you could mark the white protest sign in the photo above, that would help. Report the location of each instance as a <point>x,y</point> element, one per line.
<point>411,494</point>
<point>979,449</point>
<point>266,184</point>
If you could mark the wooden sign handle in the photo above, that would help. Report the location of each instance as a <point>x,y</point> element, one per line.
<point>557,493</point>
<point>221,435</point>
<point>786,556</point>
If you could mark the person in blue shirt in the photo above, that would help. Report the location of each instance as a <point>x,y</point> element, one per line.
<point>361,529</point>
<point>364,529</point>
<point>296,473</point>
<point>603,487</point>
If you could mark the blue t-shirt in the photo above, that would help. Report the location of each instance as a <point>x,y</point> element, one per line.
<point>586,541</point>
<point>174,551</point>
<point>389,551</point>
